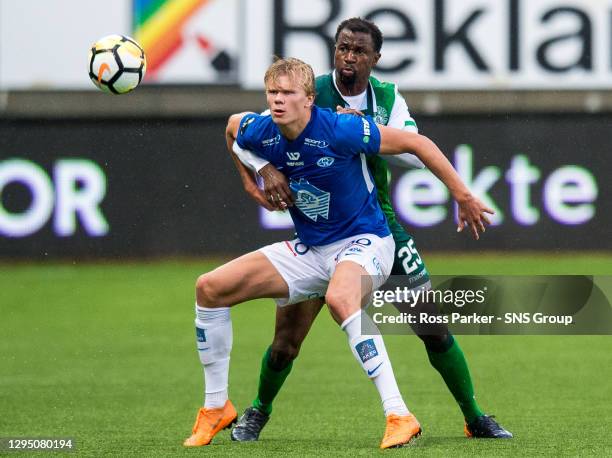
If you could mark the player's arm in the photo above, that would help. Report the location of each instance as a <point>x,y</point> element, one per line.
<point>471,209</point>
<point>401,119</point>
<point>405,160</point>
<point>248,180</point>
<point>276,187</point>
<point>276,194</point>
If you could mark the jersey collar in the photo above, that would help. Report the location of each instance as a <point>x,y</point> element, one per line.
<point>371,96</point>
<point>300,138</point>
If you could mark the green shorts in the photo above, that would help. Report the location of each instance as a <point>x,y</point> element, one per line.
<point>407,259</point>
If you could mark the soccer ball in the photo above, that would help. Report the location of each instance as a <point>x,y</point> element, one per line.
<point>117,64</point>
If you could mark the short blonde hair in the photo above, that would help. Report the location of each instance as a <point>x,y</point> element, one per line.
<point>296,69</point>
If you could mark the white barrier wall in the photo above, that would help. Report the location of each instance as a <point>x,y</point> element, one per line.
<point>430,44</point>
<point>44,43</point>
<point>445,44</point>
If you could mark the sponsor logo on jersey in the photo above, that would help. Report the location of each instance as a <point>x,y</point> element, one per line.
<point>325,161</point>
<point>271,141</point>
<point>366,350</point>
<point>315,143</point>
<point>310,200</point>
<point>293,159</point>
<point>366,127</point>
<point>366,130</point>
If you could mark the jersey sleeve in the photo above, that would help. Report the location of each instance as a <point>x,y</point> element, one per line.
<point>249,135</point>
<point>400,117</point>
<point>356,134</point>
<point>246,131</point>
<point>405,160</point>
<point>247,141</point>
<point>252,161</point>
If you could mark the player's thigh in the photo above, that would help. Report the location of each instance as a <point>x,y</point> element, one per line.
<point>363,265</point>
<point>293,322</point>
<point>250,276</point>
<point>302,268</point>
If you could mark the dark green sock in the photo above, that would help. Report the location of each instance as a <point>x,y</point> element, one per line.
<point>453,368</point>
<point>271,380</point>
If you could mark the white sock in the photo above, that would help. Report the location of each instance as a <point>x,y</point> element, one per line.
<point>214,341</point>
<point>215,400</point>
<point>371,354</point>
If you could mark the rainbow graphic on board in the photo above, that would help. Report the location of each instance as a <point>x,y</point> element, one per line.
<point>158,27</point>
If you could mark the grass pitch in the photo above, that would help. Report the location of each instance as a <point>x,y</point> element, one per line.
<point>104,353</point>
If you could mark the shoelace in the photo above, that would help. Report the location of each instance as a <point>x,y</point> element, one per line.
<point>250,421</point>
<point>489,421</point>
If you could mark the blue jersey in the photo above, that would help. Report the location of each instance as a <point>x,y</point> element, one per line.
<point>326,167</point>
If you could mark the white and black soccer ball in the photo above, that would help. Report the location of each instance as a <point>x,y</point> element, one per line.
<point>117,64</point>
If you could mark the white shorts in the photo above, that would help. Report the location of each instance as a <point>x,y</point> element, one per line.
<point>308,270</point>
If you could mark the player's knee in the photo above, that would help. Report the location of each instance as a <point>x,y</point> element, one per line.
<point>282,355</point>
<point>433,339</point>
<point>341,304</point>
<point>438,343</point>
<point>208,290</point>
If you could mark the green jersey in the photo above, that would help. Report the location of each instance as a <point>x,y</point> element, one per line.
<point>385,104</point>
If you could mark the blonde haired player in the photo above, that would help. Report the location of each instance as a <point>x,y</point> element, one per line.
<point>342,233</point>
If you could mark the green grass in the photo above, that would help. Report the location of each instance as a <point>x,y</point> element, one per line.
<point>105,353</point>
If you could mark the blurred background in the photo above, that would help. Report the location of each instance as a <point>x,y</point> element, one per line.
<point>517,93</point>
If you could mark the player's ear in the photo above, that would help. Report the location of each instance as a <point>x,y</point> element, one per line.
<point>376,58</point>
<point>309,101</point>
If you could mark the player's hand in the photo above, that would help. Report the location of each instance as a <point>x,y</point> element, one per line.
<point>258,196</point>
<point>345,110</point>
<point>276,189</point>
<point>472,214</point>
